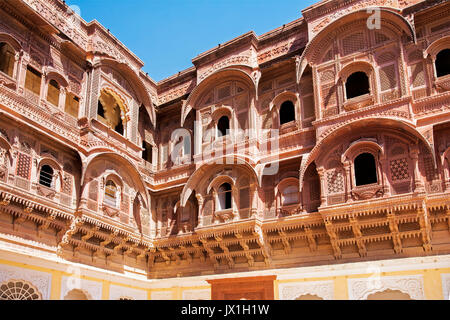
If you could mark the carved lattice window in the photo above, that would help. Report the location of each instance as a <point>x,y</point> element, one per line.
<point>335,181</point>
<point>18,290</point>
<point>23,166</point>
<point>399,169</point>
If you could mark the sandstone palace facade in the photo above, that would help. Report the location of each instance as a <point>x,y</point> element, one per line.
<point>310,162</point>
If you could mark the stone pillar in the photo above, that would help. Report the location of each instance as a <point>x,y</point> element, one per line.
<point>446,174</point>
<point>418,183</point>
<point>348,180</point>
<point>44,86</point>
<point>200,201</point>
<point>321,172</point>
<point>254,200</point>
<point>198,134</point>
<point>384,172</point>
<point>62,98</point>
<point>234,203</point>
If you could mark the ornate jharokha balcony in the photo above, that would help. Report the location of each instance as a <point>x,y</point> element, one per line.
<point>400,225</point>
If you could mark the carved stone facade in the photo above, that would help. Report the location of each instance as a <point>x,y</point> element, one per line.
<point>265,154</point>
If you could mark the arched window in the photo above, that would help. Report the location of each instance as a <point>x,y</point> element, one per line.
<point>357,84</point>
<point>46,176</point>
<point>224,195</point>
<point>186,145</point>
<point>76,294</point>
<point>223,126</point>
<point>109,112</point>
<point>6,59</point>
<point>443,63</point>
<point>111,194</point>
<point>53,92</point>
<point>365,169</point>
<point>290,195</point>
<point>287,112</point>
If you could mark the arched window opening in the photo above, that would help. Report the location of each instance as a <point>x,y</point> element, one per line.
<point>186,145</point>
<point>110,113</point>
<point>76,294</point>
<point>7,59</point>
<point>290,195</point>
<point>111,194</point>
<point>365,169</point>
<point>224,195</point>
<point>443,63</point>
<point>147,153</point>
<point>357,84</point>
<point>53,92</point>
<point>223,126</point>
<point>33,80</point>
<point>287,112</point>
<point>46,176</point>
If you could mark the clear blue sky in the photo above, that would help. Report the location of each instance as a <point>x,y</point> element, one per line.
<point>167,34</point>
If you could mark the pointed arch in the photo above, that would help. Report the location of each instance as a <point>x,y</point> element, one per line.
<point>387,14</point>
<point>222,75</point>
<point>367,122</point>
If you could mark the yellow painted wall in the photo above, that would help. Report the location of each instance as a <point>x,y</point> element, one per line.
<point>432,282</point>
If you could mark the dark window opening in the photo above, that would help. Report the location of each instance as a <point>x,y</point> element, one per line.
<point>100,109</point>
<point>119,127</point>
<point>365,169</point>
<point>287,112</point>
<point>46,176</point>
<point>225,196</point>
<point>147,153</point>
<point>443,63</point>
<point>223,126</point>
<point>357,85</point>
